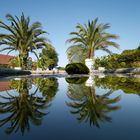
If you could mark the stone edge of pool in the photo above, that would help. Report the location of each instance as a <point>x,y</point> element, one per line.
<point>5,72</point>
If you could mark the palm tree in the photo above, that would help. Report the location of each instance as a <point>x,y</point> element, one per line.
<point>22,37</point>
<point>92,36</point>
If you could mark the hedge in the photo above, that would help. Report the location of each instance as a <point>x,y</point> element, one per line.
<point>76,68</point>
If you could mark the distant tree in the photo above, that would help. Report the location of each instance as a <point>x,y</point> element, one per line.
<point>48,58</point>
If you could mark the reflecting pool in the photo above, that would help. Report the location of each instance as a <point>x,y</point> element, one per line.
<point>69,108</point>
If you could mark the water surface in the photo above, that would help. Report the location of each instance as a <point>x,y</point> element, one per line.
<point>70,108</point>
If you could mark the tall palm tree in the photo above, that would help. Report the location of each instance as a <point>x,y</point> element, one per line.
<point>92,36</point>
<point>22,37</point>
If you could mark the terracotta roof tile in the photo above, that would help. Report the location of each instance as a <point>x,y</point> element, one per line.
<point>4,59</point>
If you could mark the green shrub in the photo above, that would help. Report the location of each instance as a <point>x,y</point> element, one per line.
<point>76,68</point>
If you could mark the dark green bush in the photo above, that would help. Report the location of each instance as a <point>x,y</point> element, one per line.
<point>76,68</point>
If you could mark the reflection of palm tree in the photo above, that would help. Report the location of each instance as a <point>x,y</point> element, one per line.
<point>89,106</point>
<point>23,108</point>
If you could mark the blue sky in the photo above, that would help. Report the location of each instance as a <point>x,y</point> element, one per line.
<point>59,18</point>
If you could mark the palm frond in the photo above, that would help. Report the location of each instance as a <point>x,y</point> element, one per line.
<point>4,49</point>
<point>92,36</point>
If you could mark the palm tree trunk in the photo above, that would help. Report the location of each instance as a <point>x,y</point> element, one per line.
<point>89,53</point>
<point>19,61</point>
<point>92,53</point>
<point>24,59</point>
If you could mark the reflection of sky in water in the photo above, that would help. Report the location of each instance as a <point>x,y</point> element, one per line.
<point>4,93</point>
<point>61,124</point>
<point>14,92</point>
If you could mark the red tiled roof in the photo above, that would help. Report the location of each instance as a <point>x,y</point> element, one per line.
<point>4,59</point>
<point>5,86</point>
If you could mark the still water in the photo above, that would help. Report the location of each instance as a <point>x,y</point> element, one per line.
<point>108,108</point>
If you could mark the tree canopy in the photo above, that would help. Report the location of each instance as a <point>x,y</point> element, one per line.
<point>127,59</point>
<point>48,58</point>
